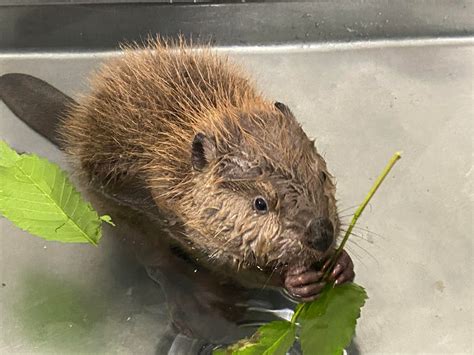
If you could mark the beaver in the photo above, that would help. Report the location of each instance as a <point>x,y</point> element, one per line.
<point>180,133</point>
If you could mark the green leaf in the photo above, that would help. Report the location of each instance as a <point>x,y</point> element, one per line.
<point>272,338</point>
<point>38,197</point>
<point>107,219</point>
<point>328,323</point>
<point>327,326</point>
<point>8,156</point>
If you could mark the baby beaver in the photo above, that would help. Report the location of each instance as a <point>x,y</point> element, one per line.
<point>182,134</point>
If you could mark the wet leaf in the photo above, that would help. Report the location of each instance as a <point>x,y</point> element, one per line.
<point>328,323</point>
<point>36,195</point>
<point>272,338</point>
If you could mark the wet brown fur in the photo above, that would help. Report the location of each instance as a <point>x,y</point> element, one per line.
<point>137,125</point>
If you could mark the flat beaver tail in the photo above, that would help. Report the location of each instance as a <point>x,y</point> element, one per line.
<point>37,103</point>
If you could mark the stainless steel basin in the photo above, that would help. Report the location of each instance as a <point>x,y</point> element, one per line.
<point>365,78</point>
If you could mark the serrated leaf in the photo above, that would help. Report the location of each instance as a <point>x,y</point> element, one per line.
<point>328,324</point>
<point>8,156</point>
<point>272,338</point>
<point>38,197</point>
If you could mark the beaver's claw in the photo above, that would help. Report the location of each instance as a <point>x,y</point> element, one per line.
<point>305,284</point>
<point>343,270</point>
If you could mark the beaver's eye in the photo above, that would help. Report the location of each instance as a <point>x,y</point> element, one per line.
<point>260,205</point>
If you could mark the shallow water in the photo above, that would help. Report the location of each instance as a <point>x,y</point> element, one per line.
<point>361,102</point>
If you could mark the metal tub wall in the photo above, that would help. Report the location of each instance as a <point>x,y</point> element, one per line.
<point>364,78</point>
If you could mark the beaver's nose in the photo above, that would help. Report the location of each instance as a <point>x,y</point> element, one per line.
<point>321,234</point>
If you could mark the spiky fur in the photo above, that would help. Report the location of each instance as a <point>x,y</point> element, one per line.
<point>138,124</point>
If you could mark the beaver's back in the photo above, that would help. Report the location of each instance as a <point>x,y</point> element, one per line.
<point>145,107</point>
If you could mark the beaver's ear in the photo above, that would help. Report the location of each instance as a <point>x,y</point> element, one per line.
<point>283,108</point>
<point>203,151</point>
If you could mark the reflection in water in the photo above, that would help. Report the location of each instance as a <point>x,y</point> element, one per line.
<point>205,309</point>
<point>57,313</point>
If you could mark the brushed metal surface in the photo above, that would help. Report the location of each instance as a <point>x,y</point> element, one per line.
<point>93,27</point>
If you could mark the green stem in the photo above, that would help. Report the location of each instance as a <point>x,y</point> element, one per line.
<point>361,208</point>
<point>297,312</point>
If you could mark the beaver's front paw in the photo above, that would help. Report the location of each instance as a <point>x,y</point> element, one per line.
<point>343,270</point>
<point>305,284</point>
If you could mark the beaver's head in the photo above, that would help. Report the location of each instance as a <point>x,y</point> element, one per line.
<point>262,195</point>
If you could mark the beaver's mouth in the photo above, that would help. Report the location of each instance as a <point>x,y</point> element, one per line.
<point>319,264</point>
<point>290,255</point>
<point>309,258</point>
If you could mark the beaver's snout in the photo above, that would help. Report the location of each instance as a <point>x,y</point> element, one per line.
<point>320,234</point>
